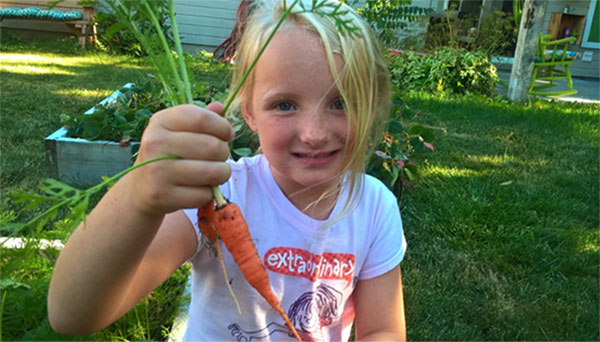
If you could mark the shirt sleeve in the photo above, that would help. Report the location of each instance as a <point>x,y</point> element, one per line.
<point>387,244</point>
<point>192,215</point>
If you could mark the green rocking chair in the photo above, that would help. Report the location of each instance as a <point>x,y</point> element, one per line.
<point>553,61</point>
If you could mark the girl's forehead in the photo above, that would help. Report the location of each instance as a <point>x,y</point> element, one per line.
<point>296,39</point>
<point>294,46</point>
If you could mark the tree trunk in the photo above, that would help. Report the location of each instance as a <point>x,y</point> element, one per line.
<point>531,25</point>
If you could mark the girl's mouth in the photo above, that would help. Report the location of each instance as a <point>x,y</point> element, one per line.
<point>316,159</point>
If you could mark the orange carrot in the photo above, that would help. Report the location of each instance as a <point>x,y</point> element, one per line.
<point>206,217</point>
<point>232,229</point>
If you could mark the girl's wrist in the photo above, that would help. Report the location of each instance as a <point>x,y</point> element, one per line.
<point>132,197</point>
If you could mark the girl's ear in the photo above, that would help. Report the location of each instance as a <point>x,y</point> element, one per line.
<point>248,116</point>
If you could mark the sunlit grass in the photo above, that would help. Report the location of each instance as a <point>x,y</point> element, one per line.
<point>502,226</point>
<point>31,69</point>
<point>449,172</point>
<point>497,160</point>
<point>87,93</point>
<point>27,63</point>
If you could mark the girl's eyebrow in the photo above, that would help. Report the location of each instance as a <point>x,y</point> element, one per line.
<point>274,94</point>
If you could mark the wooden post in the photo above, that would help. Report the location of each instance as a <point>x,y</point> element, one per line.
<point>531,25</point>
<point>485,9</point>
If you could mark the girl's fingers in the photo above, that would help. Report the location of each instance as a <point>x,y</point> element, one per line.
<point>197,173</point>
<point>186,145</point>
<point>216,107</point>
<point>190,118</point>
<point>168,185</point>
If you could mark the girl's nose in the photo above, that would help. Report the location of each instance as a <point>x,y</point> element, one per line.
<point>313,129</point>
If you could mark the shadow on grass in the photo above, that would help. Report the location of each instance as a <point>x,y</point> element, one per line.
<point>502,226</point>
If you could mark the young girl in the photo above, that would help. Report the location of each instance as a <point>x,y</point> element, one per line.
<point>330,236</point>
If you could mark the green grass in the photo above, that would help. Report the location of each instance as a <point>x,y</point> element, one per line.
<point>502,225</point>
<point>39,81</point>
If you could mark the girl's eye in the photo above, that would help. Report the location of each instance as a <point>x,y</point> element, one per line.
<point>338,105</point>
<point>285,106</point>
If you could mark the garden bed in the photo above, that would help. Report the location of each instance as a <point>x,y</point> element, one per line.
<point>80,161</point>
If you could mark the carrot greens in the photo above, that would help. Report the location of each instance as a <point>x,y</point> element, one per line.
<point>170,68</point>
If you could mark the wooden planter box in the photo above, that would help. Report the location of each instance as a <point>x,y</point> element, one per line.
<point>82,162</point>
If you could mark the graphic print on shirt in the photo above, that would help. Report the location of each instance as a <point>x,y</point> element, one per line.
<point>310,313</point>
<point>302,263</point>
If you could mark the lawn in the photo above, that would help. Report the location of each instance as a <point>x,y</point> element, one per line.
<point>502,224</point>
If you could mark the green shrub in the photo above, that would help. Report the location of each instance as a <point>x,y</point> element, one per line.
<point>495,35</point>
<point>26,274</point>
<point>400,150</point>
<point>387,17</point>
<point>123,120</point>
<point>114,37</point>
<point>447,70</point>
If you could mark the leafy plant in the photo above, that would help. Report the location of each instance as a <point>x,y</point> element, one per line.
<point>396,157</point>
<point>447,70</point>
<point>495,34</point>
<point>388,17</point>
<point>123,120</point>
<point>114,37</point>
<point>26,274</point>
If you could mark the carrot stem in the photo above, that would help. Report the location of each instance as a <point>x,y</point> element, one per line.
<point>181,57</point>
<point>167,53</point>
<point>219,198</point>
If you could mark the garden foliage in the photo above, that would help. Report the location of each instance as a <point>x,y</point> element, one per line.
<point>388,17</point>
<point>446,70</point>
<point>26,274</point>
<point>113,36</point>
<point>495,35</point>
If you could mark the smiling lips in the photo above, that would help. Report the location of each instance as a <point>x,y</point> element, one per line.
<point>315,159</point>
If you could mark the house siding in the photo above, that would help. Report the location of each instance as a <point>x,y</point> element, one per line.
<point>205,24</point>
<point>579,67</point>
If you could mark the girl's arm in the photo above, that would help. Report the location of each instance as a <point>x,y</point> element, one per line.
<point>379,308</point>
<point>128,244</point>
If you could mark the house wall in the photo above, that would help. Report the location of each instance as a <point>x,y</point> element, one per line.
<point>205,24</point>
<point>579,7</point>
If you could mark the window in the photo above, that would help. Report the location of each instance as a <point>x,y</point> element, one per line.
<point>591,33</point>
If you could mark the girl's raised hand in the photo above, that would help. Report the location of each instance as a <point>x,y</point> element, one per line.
<point>198,136</point>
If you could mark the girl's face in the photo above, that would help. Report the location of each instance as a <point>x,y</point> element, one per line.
<point>298,113</point>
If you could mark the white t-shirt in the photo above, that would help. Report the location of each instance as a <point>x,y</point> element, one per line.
<point>313,267</point>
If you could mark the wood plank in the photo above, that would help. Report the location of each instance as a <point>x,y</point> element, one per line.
<point>205,12</point>
<point>37,25</point>
<point>204,31</point>
<point>68,5</point>
<point>210,42</point>
<point>222,4</point>
<point>205,21</point>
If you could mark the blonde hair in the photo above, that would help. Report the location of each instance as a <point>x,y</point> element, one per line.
<point>363,83</point>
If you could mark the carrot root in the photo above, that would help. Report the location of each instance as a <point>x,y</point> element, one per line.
<point>237,304</point>
<point>232,229</point>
